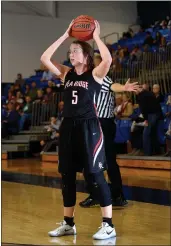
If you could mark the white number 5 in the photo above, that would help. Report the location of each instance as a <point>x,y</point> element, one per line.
<point>75,97</point>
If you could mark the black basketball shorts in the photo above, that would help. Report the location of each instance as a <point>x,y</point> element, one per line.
<point>81,146</point>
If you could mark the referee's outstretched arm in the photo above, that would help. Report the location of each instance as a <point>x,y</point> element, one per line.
<point>116,87</point>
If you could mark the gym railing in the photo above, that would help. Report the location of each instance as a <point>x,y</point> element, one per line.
<point>41,112</point>
<point>153,68</point>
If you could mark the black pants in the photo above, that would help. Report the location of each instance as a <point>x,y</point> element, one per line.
<point>150,139</point>
<point>96,181</point>
<point>50,145</point>
<point>109,131</point>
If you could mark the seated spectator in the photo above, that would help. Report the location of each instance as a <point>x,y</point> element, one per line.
<point>168,114</point>
<point>33,91</point>
<point>27,90</point>
<point>149,39</point>
<point>157,93</point>
<point>47,75</point>
<point>118,102</point>
<point>136,54</point>
<point>19,81</point>
<point>39,96</point>
<point>163,24</point>
<point>168,141</point>
<point>152,114</point>
<point>11,96</point>
<point>60,110</point>
<point>167,20</point>
<point>159,40</point>
<point>27,109</point>
<point>48,97</point>
<point>126,107</point>
<point>10,122</point>
<point>17,88</point>
<point>53,140</point>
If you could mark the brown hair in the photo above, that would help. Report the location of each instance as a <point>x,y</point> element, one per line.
<point>87,51</point>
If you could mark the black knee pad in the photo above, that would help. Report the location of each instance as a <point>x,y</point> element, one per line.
<point>69,189</point>
<point>100,189</point>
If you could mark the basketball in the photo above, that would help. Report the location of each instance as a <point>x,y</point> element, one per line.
<point>83,28</point>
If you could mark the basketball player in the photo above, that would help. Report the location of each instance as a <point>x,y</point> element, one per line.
<point>81,139</point>
<point>105,110</point>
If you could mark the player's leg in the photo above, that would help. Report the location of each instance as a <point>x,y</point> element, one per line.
<point>94,165</point>
<point>67,227</point>
<point>101,191</point>
<point>66,168</point>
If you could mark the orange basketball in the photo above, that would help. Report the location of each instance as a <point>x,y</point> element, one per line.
<point>83,28</point>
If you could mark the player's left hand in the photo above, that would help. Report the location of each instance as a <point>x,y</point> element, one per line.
<point>97,29</point>
<point>131,86</point>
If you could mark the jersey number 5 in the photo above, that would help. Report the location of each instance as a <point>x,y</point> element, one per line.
<point>75,97</point>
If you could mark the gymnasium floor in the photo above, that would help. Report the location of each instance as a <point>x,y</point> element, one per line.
<point>32,205</point>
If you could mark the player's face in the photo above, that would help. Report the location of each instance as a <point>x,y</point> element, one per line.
<point>76,55</point>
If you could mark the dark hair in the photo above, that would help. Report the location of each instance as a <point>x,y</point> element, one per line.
<point>87,51</point>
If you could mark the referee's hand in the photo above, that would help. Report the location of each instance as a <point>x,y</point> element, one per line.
<point>131,86</point>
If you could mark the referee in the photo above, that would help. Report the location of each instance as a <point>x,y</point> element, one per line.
<point>105,109</point>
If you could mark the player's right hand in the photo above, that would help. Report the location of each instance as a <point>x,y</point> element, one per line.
<point>68,31</point>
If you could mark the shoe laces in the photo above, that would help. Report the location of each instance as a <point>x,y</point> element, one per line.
<point>61,225</point>
<point>103,227</point>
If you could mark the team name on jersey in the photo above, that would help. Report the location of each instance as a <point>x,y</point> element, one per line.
<point>83,84</point>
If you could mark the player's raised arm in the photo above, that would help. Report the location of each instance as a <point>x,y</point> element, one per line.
<point>103,68</point>
<point>54,67</point>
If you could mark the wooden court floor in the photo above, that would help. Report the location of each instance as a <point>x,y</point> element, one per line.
<point>29,212</point>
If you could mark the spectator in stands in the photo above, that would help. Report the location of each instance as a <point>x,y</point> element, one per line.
<point>10,122</point>
<point>53,141</point>
<point>27,90</point>
<point>168,141</point>
<point>33,91</point>
<point>152,114</point>
<point>10,96</point>
<point>137,129</point>
<point>17,88</point>
<point>157,93</point>
<point>60,110</point>
<point>40,96</point>
<point>149,39</point>
<point>163,24</point>
<point>48,97</point>
<point>118,102</point>
<point>159,40</point>
<point>136,54</point>
<point>47,75</point>
<point>168,20</point>
<point>126,107</point>
<point>19,81</point>
<point>146,87</point>
<point>27,109</point>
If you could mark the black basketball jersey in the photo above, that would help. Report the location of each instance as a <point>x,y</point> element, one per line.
<point>80,92</point>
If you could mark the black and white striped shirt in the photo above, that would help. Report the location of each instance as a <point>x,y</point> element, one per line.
<point>105,101</point>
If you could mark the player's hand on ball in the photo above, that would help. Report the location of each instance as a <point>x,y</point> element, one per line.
<point>68,31</point>
<point>96,32</point>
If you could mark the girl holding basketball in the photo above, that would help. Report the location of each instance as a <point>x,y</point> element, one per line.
<point>81,139</point>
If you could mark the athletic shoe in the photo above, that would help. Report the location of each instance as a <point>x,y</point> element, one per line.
<point>105,232</point>
<point>89,202</point>
<point>63,230</point>
<point>119,202</point>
